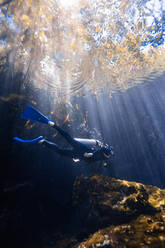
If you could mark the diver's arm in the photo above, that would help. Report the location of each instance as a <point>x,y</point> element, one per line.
<point>73,142</point>
<point>65,134</point>
<point>99,143</point>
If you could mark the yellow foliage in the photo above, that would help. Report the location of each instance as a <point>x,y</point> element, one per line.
<point>107,45</point>
<point>12,97</point>
<point>42,36</point>
<point>51,26</point>
<point>98,29</point>
<point>74,46</point>
<point>26,18</point>
<point>67,118</point>
<point>40,12</point>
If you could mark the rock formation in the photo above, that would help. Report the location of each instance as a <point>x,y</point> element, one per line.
<point>104,212</point>
<point>125,214</point>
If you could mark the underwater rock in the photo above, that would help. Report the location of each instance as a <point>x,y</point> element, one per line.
<point>145,231</point>
<point>105,212</point>
<point>118,213</point>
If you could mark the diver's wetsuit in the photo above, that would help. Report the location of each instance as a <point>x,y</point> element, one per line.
<point>78,150</point>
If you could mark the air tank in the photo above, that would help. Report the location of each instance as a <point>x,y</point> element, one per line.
<point>89,142</point>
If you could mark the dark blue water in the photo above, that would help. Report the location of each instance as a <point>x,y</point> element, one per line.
<point>36,183</point>
<point>132,121</point>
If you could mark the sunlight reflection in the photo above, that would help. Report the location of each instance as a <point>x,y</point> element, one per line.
<point>70,3</point>
<point>67,45</point>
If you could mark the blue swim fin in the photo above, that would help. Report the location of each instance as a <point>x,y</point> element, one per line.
<point>34,115</point>
<point>36,140</point>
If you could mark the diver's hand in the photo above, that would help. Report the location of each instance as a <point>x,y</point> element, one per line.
<point>88,154</point>
<point>76,160</point>
<point>99,143</point>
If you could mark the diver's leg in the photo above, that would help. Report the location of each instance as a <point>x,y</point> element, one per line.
<point>56,148</point>
<point>76,144</point>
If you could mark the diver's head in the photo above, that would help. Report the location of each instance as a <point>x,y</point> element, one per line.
<point>107,151</point>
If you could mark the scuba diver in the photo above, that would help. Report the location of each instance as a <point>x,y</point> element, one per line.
<point>89,150</point>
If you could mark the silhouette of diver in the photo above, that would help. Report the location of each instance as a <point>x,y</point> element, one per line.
<point>81,148</point>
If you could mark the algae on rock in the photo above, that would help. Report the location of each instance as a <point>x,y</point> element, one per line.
<point>128,214</point>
